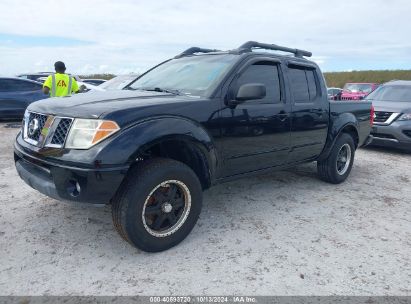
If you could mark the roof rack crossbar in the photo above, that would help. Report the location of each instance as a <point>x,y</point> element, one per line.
<point>194,50</point>
<point>248,46</point>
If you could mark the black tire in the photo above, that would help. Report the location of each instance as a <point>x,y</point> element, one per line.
<point>142,187</point>
<point>328,169</point>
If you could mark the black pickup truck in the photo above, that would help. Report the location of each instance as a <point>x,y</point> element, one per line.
<point>196,120</point>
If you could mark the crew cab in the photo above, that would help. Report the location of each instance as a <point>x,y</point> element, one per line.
<point>201,118</point>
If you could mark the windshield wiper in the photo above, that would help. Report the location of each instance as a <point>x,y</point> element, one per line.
<point>157,89</point>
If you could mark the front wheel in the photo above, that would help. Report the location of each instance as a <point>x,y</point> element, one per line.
<point>337,166</point>
<point>158,204</point>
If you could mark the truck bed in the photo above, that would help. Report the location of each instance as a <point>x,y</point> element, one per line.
<point>342,112</point>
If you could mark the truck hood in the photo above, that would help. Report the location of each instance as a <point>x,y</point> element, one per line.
<point>392,106</point>
<point>108,103</point>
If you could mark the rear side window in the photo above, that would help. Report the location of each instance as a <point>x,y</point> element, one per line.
<point>265,73</point>
<point>303,84</point>
<point>312,85</point>
<point>299,85</point>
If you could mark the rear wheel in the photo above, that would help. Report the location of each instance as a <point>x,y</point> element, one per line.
<point>337,166</point>
<point>158,204</point>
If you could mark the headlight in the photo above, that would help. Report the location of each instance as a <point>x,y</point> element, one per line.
<point>85,133</point>
<point>406,116</point>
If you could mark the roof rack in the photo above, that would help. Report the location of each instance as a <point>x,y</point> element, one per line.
<point>248,46</point>
<point>194,50</point>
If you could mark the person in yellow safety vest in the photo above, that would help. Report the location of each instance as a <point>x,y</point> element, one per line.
<point>60,84</point>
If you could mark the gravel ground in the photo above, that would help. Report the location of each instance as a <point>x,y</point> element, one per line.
<point>286,233</point>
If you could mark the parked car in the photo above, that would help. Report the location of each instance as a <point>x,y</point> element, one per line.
<point>357,91</point>
<point>16,94</point>
<point>83,86</point>
<point>392,122</point>
<point>35,76</point>
<point>119,82</point>
<point>95,82</point>
<point>334,93</point>
<point>199,119</point>
<point>42,76</point>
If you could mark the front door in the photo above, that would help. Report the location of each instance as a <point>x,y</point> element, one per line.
<point>255,133</point>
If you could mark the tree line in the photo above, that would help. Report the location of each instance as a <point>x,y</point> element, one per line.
<point>338,79</point>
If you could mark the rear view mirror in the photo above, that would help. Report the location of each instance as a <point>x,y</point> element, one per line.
<point>250,91</point>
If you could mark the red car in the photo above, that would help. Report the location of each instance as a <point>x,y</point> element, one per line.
<point>357,91</point>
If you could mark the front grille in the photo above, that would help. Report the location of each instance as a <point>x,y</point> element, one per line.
<point>46,131</point>
<point>35,124</point>
<point>61,132</point>
<point>382,116</point>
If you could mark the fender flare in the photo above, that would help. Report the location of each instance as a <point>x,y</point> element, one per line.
<point>343,122</point>
<point>130,143</point>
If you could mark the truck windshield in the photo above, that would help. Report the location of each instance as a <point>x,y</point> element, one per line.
<point>358,87</point>
<point>193,75</point>
<point>391,93</point>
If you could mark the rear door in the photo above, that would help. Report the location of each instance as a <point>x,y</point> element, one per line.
<point>310,112</point>
<point>255,134</point>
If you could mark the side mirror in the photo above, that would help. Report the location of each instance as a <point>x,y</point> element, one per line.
<point>83,89</point>
<point>250,91</point>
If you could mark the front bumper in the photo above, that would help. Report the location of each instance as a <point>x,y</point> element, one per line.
<point>69,183</point>
<point>397,134</point>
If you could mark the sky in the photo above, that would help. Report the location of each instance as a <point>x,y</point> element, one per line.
<point>125,36</point>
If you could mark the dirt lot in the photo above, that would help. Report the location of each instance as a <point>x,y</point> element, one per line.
<point>286,233</point>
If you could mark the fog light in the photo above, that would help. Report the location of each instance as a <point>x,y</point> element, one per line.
<point>73,188</point>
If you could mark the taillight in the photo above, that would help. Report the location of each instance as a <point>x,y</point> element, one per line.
<point>372,113</point>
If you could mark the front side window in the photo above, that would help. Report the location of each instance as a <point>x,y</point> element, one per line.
<point>391,93</point>
<point>193,75</point>
<point>266,74</point>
